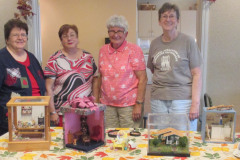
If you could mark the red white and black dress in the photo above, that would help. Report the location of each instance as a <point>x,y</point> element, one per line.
<point>73,78</point>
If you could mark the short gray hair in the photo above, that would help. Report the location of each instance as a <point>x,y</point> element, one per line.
<point>117,21</point>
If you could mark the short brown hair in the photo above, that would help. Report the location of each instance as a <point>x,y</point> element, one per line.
<point>12,23</point>
<point>167,7</point>
<point>65,28</point>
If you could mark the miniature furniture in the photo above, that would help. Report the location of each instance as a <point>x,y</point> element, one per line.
<point>25,133</point>
<point>97,134</point>
<point>121,140</point>
<point>116,144</point>
<point>168,134</point>
<point>218,126</point>
<point>86,124</point>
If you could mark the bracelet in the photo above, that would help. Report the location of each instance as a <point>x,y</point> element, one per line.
<point>139,102</point>
<point>52,113</point>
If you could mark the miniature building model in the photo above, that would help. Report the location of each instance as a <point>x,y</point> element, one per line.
<point>83,128</point>
<point>29,123</point>
<point>168,134</point>
<point>218,125</point>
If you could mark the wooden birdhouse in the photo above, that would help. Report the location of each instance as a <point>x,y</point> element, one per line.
<point>218,124</point>
<point>83,126</point>
<point>29,123</point>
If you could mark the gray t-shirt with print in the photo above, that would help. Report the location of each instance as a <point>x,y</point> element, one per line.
<point>172,63</point>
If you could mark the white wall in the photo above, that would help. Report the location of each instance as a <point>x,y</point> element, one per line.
<point>223,72</point>
<point>7,8</point>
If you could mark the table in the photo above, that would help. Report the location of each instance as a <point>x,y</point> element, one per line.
<point>199,151</point>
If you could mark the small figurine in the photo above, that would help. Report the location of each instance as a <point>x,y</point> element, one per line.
<point>75,141</point>
<point>70,137</point>
<point>220,121</point>
<point>132,145</point>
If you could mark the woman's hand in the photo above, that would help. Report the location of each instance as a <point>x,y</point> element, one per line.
<point>54,118</point>
<point>137,112</point>
<point>194,112</point>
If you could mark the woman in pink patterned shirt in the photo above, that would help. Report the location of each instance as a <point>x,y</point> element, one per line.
<point>71,73</point>
<point>122,77</point>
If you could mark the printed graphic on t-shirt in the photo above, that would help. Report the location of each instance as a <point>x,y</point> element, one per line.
<point>12,75</point>
<point>166,59</point>
<point>165,63</point>
<point>24,82</point>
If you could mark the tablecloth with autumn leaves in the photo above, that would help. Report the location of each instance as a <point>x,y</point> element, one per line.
<point>198,150</point>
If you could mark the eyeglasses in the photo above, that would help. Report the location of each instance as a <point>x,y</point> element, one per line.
<point>71,36</point>
<point>170,16</point>
<point>119,32</point>
<point>23,35</point>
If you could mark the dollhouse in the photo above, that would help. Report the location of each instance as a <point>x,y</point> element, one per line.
<point>218,124</point>
<point>28,123</point>
<point>83,127</point>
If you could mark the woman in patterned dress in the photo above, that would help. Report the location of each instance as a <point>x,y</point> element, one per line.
<point>70,73</point>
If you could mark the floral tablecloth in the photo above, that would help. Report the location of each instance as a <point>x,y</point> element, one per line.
<point>198,150</point>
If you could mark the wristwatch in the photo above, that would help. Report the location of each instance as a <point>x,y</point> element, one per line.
<point>139,102</point>
<point>52,113</point>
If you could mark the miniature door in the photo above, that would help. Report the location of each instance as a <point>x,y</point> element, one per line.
<point>218,126</point>
<point>29,123</point>
<point>168,134</point>
<point>84,128</point>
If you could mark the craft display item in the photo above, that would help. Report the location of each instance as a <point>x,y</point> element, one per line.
<point>26,132</point>
<point>168,134</point>
<point>83,127</point>
<point>218,126</point>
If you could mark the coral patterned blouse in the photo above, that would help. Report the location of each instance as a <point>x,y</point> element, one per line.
<point>117,66</point>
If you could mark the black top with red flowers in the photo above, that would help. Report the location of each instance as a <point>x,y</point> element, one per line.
<point>14,78</point>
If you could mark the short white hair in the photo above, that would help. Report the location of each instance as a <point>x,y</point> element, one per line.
<point>117,21</point>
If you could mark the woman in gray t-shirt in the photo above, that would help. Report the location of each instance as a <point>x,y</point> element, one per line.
<point>175,62</point>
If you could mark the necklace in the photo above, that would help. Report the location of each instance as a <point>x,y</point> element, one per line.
<point>169,37</point>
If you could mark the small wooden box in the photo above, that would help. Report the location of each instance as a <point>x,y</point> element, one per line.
<point>147,6</point>
<point>78,120</point>
<point>218,126</point>
<point>25,133</point>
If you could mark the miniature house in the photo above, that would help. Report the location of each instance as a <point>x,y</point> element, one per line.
<point>83,128</point>
<point>29,123</point>
<point>218,126</point>
<point>168,134</point>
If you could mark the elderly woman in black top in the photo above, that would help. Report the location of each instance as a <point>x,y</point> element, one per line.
<point>20,71</point>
